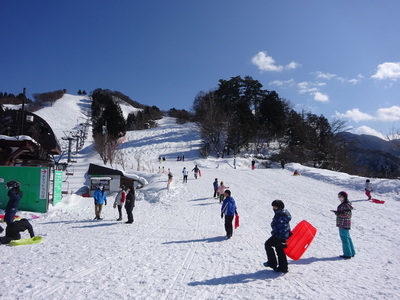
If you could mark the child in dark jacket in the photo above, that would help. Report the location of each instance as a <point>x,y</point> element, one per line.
<point>14,195</point>
<point>13,231</point>
<point>343,221</point>
<point>215,185</point>
<point>280,234</point>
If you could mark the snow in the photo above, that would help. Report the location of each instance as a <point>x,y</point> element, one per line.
<point>176,247</point>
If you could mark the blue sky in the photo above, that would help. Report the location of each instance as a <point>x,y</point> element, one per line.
<point>336,58</point>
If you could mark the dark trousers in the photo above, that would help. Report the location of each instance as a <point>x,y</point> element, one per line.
<point>282,260</point>
<point>185,178</point>
<point>119,211</point>
<point>215,193</point>
<point>228,225</point>
<point>129,209</point>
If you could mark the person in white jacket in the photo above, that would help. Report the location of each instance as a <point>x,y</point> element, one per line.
<point>119,201</point>
<point>368,189</point>
<point>185,175</point>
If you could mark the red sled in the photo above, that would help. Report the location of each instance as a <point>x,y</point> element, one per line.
<point>301,238</point>
<point>2,218</point>
<point>378,201</point>
<point>237,221</point>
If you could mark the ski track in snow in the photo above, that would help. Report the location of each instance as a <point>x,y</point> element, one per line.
<point>176,248</point>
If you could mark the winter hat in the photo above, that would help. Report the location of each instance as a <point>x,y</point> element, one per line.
<point>278,203</point>
<point>216,179</point>
<point>222,182</point>
<point>367,180</point>
<point>228,192</point>
<point>344,195</point>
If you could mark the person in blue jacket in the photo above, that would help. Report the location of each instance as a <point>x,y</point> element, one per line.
<point>229,210</point>
<point>15,195</point>
<point>280,234</point>
<point>215,185</point>
<point>100,199</point>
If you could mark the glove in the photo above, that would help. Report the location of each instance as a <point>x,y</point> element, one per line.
<point>105,202</point>
<point>115,205</point>
<point>222,215</point>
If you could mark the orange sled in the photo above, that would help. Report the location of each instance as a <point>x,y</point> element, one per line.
<point>301,238</point>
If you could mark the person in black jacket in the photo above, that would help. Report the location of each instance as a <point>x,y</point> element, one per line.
<point>130,204</point>
<point>14,229</point>
<point>15,196</point>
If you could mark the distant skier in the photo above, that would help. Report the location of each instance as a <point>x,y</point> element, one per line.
<point>221,191</point>
<point>368,188</point>
<point>130,204</point>
<point>253,164</point>
<point>100,199</point>
<point>280,234</point>
<point>13,231</point>
<point>119,201</point>
<point>170,177</point>
<point>14,195</point>
<point>185,174</point>
<point>215,185</point>
<point>282,163</point>
<point>228,209</point>
<point>196,171</point>
<point>343,221</point>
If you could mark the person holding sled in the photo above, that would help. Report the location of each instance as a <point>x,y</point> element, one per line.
<point>196,171</point>
<point>130,204</point>
<point>119,201</point>
<point>215,185</point>
<point>100,199</point>
<point>14,229</point>
<point>228,209</point>
<point>14,195</point>
<point>221,191</point>
<point>253,164</point>
<point>279,235</point>
<point>170,177</point>
<point>368,189</point>
<point>343,221</point>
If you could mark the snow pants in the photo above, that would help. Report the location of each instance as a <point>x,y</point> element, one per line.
<point>215,192</point>
<point>97,210</point>
<point>282,259</point>
<point>347,243</point>
<point>119,211</point>
<point>228,225</point>
<point>368,193</point>
<point>129,209</point>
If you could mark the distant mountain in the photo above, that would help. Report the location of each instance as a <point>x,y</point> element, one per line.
<point>373,156</point>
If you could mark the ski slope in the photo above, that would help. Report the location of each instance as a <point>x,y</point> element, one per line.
<point>176,247</point>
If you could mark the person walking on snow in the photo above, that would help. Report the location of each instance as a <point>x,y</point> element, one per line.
<point>215,185</point>
<point>196,171</point>
<point>100,199</point>
<point>343,221</point>
<point>170,177</point>
<point>368,188</point>
<point>221,191</point>
<point>119,201</point>
<point>279,235</point>
<point>14,195</point>
<point>185,174</point>
<point>130,203</point>
<point>228,209</point>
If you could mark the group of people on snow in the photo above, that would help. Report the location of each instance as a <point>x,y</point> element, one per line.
<point>125,196</point>
<point>14,228</point>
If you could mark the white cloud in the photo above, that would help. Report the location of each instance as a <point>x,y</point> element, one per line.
<point>368,131</point>
<point>388,114</point>
<point>355,114</point>
<point>388,70</point>
<point>289,82</point>
<point>309,87</point>
<point>267,63</point>
<point>323,75</point>
<point>329,76</point>
<point>320,97</point>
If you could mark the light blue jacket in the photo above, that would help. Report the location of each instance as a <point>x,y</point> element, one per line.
<point>99,196</point>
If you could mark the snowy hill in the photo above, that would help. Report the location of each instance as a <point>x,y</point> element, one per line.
<point>176,248</point>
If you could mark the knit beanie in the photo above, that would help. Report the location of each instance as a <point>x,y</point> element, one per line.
<point>344,195</point>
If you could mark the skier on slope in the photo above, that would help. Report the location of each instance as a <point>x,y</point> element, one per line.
<point>280,234</point>
<point>228,209</point>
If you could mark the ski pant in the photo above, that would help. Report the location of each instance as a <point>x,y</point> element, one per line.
<point>215,192</point>
<point>347,243</point>
<point>119,211</point>
<point>282,260</point>
<point>228,225</point>
<point>221,197</point>
<point>185,178</point>
<point>368,193</point>
<point>129,209</point>
<point>97,210</point>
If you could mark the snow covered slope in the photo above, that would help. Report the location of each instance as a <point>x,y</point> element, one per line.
<point>176,247</point>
